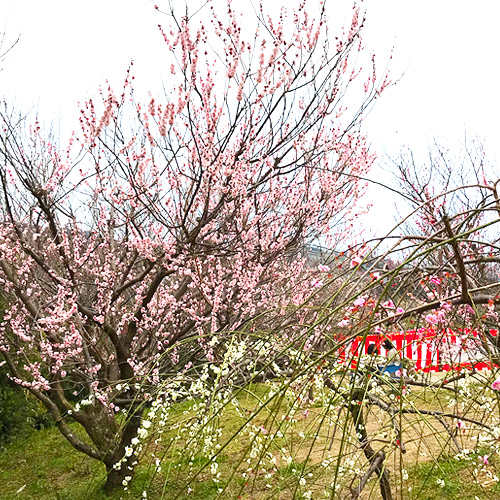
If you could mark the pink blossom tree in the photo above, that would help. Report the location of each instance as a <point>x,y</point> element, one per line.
<point>451,236</point>
<point>167,224</point>
<point>434,277</point>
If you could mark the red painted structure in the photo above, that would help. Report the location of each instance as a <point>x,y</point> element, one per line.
<point>429,349</point>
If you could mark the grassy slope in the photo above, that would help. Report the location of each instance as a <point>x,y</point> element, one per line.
<point>41,466</point>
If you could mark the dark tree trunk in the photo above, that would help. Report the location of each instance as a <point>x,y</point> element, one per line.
<point>376,459</point>
<point>116,477</point>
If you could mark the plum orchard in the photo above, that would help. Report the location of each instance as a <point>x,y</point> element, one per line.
<point>130,255</point>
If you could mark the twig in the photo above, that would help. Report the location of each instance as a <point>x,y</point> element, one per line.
<point>335,428</point>
<point>375,466</point>
<point>460,262</point>
<point>452,436</point>
<point>384,406</point>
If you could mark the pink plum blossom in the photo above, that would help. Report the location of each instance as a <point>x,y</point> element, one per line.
<point>496,385</point>
<point>360,302</point>
<point>189,237</point>
<point>431,319</point>
<point>356,260</point>
<point>316,283</point>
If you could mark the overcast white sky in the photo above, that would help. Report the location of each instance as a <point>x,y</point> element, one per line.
<point>447,49</point>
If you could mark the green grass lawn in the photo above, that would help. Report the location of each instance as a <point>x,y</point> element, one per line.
<point>450,479</point>
<point>41,465</point>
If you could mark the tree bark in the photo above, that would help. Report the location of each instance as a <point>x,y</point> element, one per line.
<point>115,477</point>
<point>376,459</point>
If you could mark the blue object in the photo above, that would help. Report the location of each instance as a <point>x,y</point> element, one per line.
<point>390,369</point>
